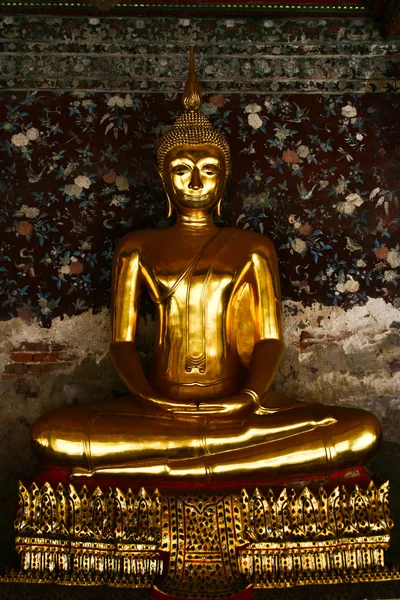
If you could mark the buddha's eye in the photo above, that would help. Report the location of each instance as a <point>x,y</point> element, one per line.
<point>180,170</point>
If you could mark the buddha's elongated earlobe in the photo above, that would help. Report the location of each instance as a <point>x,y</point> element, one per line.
<point>170,207</point>
<point>218,209</point>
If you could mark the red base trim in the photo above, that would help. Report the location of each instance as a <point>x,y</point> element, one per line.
<point>245,594</point>
<point>348,477</point>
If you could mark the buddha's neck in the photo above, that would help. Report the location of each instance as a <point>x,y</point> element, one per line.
<point>196,221</point>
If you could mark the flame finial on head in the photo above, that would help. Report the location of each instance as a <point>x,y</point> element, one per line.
<point>191,98</point>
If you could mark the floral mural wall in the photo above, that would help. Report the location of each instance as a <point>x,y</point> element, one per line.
<point>318,174</point>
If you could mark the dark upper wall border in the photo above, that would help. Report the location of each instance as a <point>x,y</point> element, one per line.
<point>357,7</point>
<point>386,11</point>
<point>150,54</point>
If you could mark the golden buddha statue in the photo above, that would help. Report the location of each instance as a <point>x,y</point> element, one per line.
<point>203,414</point>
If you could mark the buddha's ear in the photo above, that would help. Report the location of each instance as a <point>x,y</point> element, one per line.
<point>218,208</point>
<point>170,207</point>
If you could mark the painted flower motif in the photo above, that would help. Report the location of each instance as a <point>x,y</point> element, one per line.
<point>64,270</point>
<point>290,157</point>
<point>208,109</point>
<point>253,108</point>
<point>303,151</point>
<point>340,187</point>
<point>76,268</point>
<point>122,183</point>
<point>359,136</point>
<point>355,199</point>
<point>44,309</point>
<point>361,263</point>
<point>30,211</point>
<point>299,246</point>
<point>381,252</point>
<point>282,133</point>
<point>117,200</point>
<point>393,258</point>
<point>116,101</point>
<point>72,189</point>
<point>260,200</point>
<point>348,207</point>
<point>254,121</point>
<point>20,140</point>
<point>32,134</point>
<point>24,228</point>
<point>218,100</point>
<point>25,313</point>
<point>128,102</point>
<point>389,276</point>
<point>349,111</point>
<point>306,229</point>
<point>350,286</point>
<point>82,181</point>
<point>110,177</point>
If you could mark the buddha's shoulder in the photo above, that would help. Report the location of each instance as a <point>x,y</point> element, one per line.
<point>137,241</point>
<point>251,241</point>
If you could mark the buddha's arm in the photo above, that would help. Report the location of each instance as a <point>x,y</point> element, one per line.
<point>127,287</point>
<point>262,276</point>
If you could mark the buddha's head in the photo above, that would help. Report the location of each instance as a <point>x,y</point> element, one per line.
<point>193,157</point>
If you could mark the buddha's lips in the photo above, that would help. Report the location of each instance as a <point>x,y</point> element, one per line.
<point>196,197</point>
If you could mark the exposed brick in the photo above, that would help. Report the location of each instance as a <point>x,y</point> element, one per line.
<point>46,357</point>
<point>9,377</point>
<point>57,347</point>
<point>35,346</point>
<point>43,368</point>
<point>16,369</point>
<point>21,357</point>
<point>305,335</point>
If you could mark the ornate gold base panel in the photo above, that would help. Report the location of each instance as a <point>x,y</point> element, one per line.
<point>202,546</point>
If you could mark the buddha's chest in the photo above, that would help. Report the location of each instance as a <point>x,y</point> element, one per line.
<point>196,289</point>
<point>194,277</point>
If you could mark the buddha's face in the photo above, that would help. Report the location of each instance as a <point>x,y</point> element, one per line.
<point>194,177</point>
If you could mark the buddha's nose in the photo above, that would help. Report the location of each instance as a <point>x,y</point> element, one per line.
<point>195,181</point>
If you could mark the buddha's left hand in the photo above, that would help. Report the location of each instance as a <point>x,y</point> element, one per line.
<point>234,407</point>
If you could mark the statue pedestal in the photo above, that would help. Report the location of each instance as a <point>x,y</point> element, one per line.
<point>202,545</point>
